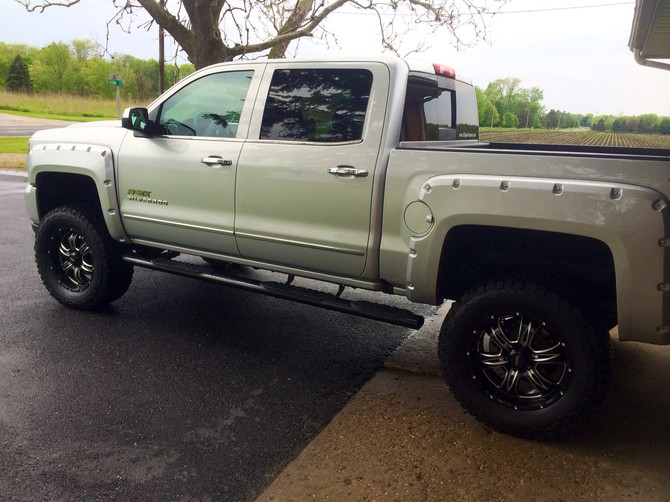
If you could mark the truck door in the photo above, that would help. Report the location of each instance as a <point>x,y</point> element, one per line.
<point>177,189</point>
<point>305,184</point>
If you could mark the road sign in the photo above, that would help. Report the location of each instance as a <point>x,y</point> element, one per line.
<point>117,83</point>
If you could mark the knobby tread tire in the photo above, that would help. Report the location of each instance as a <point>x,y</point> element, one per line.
<point>590,346</point>
<point>112,276</point>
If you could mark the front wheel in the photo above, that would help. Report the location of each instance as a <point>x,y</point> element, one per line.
<point>79,263</point>
<point>523,360</point>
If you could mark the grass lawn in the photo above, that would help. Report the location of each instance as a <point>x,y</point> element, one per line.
<point>14,144</point>
<point>55,116</point>
<point>13,150</point>
<point>59,106</point>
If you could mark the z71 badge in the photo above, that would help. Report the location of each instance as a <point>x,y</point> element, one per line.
<point>144,196</point>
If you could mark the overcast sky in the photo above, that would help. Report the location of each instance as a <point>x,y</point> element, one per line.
<point>578,56</point>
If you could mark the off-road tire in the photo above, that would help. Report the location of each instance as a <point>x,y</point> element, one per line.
<point>523,360</point>
<point>79,263</point>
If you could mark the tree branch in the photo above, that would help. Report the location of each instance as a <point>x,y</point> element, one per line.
<point>302,32</point>
<point>181,34</point>
<point>44,5</point>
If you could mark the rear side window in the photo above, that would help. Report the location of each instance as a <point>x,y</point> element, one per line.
<point>438,108</point>
<point>317,105</point>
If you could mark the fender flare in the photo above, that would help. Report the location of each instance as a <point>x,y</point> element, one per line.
<point>630,220</point>
<point>92,161</point>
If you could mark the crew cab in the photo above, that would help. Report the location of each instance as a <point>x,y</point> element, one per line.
<point>369,173</point>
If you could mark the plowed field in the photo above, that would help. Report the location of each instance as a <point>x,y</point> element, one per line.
<point>585,137</point>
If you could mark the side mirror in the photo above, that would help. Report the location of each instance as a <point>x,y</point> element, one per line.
<point>137,119</point>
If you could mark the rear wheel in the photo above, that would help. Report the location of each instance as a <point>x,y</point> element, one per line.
<point>79,263</point>
<point>523,360</point>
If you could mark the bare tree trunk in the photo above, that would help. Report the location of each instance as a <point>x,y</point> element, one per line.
<point>202,42</point>
<point>294,21</point>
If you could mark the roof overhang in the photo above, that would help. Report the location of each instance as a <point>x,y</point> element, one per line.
<point>650,33</point>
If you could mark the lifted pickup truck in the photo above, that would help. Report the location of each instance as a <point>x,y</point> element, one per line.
<point>369,173</point>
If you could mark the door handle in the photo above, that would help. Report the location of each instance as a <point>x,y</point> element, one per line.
<point>348,171</point>
<point>215,160</point>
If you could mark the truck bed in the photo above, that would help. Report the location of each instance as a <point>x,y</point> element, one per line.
<point>554,150</point>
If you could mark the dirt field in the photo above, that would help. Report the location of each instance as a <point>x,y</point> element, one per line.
<point>580,137</point>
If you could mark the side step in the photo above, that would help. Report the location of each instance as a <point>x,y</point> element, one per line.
<point>369,310</point>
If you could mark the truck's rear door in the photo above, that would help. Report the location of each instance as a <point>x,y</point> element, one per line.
<point>306,173</point>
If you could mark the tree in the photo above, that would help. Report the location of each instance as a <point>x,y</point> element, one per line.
<point>211,32</point>
<point>53,69</point>
<point>489,115</point>
<point>557,119</point>
<point>586,120</point>
<point>528,107</point>
<point>598,124</point>
<point>18,78</point>
<point>510,121</point>
<point>648,123</point>
<point>504,94</point>
<point>664,126</point>
<point>83,50</point>
<point>507,95</point>
<point>8,53</point>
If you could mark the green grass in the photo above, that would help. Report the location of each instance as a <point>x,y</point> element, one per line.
<point>39,115</point>
<point>13,150</point>
<point>14,144</point>
<point>59,106</point>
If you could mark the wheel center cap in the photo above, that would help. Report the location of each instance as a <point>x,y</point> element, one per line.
<point>518,358</point>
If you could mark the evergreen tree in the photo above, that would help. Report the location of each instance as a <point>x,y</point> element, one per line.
<point>18,77</point>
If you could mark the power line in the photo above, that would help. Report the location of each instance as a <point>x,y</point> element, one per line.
<point>554,9</point>
<point>496,13</point>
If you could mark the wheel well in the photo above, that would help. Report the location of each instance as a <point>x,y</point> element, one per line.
<point>61,189</point>
<point>581,269</point>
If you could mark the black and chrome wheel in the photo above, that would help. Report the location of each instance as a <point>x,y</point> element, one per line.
<point>523,360</point>
<point>79,263</point>
<point>72,259</point>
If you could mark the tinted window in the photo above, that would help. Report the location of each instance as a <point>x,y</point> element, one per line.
<point>317,105</point>
<point>210,106</point>
<point>439,109</point>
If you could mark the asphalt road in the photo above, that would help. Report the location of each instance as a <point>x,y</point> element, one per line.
<point>181,390</point>
<point>16,125</point>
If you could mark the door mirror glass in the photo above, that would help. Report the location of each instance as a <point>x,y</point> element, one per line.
<point>136,119</point>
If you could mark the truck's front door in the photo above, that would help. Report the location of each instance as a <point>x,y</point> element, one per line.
<point>305,184</point>
<point>177,189</point>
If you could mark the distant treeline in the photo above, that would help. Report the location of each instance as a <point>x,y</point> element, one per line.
<point>504,103</point>
<point>77,68</point>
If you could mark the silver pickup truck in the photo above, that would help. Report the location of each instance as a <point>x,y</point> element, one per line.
<point>369,173</point>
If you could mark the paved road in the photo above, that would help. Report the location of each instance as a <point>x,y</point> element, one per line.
<point>16,125</point>
<point>180,390</point>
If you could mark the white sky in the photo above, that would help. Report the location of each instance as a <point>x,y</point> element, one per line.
<point>578,57</point>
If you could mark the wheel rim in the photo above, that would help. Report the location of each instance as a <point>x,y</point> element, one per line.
<point>519,361</point>
<point>72,260</point>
